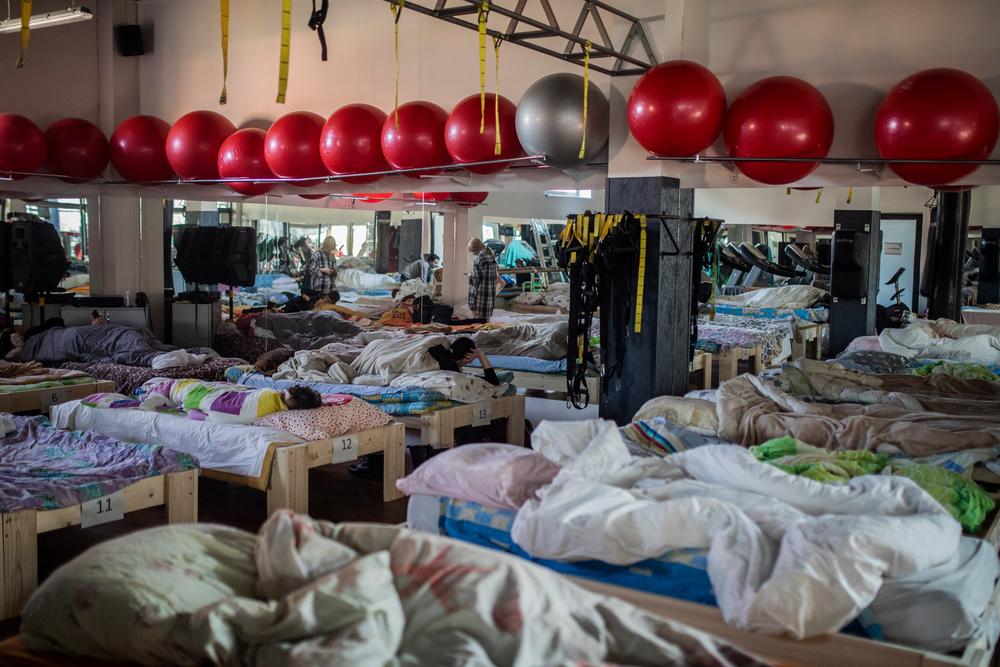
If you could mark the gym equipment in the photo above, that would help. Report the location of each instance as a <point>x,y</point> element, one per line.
<point>676,109</point>
<point>744,273</point>
<point>754,256</point>
<point>800,257</point>
<point>138,149</point>
<point>469,199</point>
<point>779,116</point>
<point>989,267</point>
<point>210,255</point>
<point>937,114</point>
<point>550,120</point>
<point>76,148</point>
<point>242,156</point>
<point>413,137</point>
<point>22,146</point>
<point>351,142</point>
<point>896,314</point>
<point>291,147</point>
<point>854,276</point>
<point>464,141</point>
<point>237,256</point>
<point>193,144</point>
<point>6,275</point>
<point>37,259</point>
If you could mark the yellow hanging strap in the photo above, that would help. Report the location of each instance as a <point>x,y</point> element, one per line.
<point>850,194</point>
<point>497,147</point>
<point>788,191</point>
<point>396,7</point>
<point>586,90</point>
<point>484,13</point>
<point>819,195</point>
<point>224,23</point>
<point>25,28</point>
<point>286,48</point>
<point>641,282</point>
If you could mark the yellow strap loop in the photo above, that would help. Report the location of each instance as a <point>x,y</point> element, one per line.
<point>819,195</point>
<point>586,89</point>
<point>396,8</point>
<point>25,30</point>
<point>224,24</point>
<point>497,147</point>
<point>788,191</point>
<point>484,13</point>
<point>286,48</point>
<point>850,194</point>
<point>641,283</point>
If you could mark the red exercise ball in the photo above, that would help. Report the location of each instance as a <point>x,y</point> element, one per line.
<point>351,142</point>
<point>242,156</point>
<point>315,197</point>
<point>419,139</point>
<point>432,196</point>
<point>22,145</point>
<point>139,149</point>
<point>676,109</point>
<point>292,147</point>
<point>469,199</point>
<point>937,114</point>
<point>465,143</point>
<point>780,116</point>
<point>193,144</point>
<point>76,148</point>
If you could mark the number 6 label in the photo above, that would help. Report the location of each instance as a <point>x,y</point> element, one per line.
<point>345,449</point>
<point>482,413</point>
<point>102,510</point>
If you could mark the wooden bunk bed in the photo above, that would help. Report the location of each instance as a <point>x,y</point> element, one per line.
<point>437,427</point>
<point>41,399</point>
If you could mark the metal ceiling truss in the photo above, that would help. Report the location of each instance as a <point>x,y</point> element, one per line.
<point>533,31</point>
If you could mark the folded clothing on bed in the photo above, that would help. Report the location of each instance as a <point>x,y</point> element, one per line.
<point>44,468</point>
<point>31,372</point>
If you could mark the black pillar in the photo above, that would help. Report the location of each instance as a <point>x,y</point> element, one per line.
<point>948,234</point>
<point>989,267</point>
<point>854,273</point>
<point>656,360</point>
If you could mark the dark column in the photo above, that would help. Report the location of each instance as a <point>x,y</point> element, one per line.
<point>656,360</point>
<point>857,246</point>
<point>989,268</point>
<point>948,233</point>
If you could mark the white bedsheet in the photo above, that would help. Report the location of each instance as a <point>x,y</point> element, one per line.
<point>228,448</point>
<point>786,553</point>
<point>944,339</point>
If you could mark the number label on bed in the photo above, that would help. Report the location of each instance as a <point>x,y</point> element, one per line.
<point>482,413</point>
<point>345,449</point>
<point>102,510</point>
<point>54,397</point>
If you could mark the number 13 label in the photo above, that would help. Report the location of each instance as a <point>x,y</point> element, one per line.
<point>102,510</point>
<point>345,449</point>
<point>482,414</point>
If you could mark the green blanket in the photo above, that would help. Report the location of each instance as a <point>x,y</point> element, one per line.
<point>968,503</point>
<point>958,371</point>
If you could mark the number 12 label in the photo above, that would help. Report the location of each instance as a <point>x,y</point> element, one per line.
<point>102,510</point>
<point>345,449</point>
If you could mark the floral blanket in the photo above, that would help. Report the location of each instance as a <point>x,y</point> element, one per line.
<point>130,378</point>
<point>307,592</point>
<point>44,468</point>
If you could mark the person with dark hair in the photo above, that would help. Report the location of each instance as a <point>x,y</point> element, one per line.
<point>421,269</point>
<point>483,280</point>
<point>463,351</point>
<point>301,397</point>
<point>226,403</point>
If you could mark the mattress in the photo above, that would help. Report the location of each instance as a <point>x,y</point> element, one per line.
<point>820,314</point>
<point>231,448</point>
<point>42,468</point>
<point>130,378</point>
<point>524,364</point>
<point>45,384</point>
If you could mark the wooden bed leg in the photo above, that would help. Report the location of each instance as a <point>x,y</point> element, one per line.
<point>18,561</point>
<point>515,423</point>
<point>757,360</point>
<point>728,364</point>
<point>799,349</point>
<point>706,373</point>
<point>289,484</point>
<point>181,497</point>
<point>394,467</point>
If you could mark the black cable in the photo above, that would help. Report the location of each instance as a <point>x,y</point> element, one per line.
<point>316,20</point>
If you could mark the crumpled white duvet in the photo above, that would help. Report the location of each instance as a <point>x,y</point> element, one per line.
<point>354,279</point>
<point>316,366</point>
<point>385,359</point>
<point>786,554</point>
<point>785,296</point>
<point>944,339</point>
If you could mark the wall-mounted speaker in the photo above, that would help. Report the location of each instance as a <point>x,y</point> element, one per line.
<point>128,40</point>
<point>38,261</point>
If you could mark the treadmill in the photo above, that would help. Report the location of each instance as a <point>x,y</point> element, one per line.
<point>815,272</point>
<point>758,259</point>
<point>744,273</point>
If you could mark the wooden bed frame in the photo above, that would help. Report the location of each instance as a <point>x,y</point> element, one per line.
<point>808,341</point>
<point>437,428</point>
<point>730,359</point>
<point>285,476</point>
<point>40,400</point>
<point>19,540</point>
<point>834,650</point>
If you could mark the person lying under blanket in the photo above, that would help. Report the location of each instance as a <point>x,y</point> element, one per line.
<point>463,351</point>
<point>230,404</point>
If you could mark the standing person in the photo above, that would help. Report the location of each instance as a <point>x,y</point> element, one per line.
<point>322,269</point>
<point>482,280</point>
<point>422,269</point>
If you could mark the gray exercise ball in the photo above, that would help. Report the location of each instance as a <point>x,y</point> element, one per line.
<point>550,120</point>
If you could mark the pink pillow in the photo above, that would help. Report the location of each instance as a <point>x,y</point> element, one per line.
<point>345,415</point>
<point>490,474</point>
<point>865,344</point>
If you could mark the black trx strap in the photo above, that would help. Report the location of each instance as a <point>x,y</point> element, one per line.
<point>316,20</point>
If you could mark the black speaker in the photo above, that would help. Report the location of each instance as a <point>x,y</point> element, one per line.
<point>237,258</point>
<point>38,261</point>
<point>6,275</point>
<point>196,253</point>
<point>128,40</point>
<point>989,268</point>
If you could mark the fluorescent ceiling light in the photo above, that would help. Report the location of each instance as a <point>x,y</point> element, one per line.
<point>49,19</point>
<point>580,194</point>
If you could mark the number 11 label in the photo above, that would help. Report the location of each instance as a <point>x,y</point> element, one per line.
<point>102,510</point>
<point>345,448</point>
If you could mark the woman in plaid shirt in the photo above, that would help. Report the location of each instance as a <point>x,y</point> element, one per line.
<point>482,280</point>
<point>322,267</point>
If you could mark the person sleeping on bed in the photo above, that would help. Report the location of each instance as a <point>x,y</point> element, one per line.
<point>230,404</point>
<point>463,351</point>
